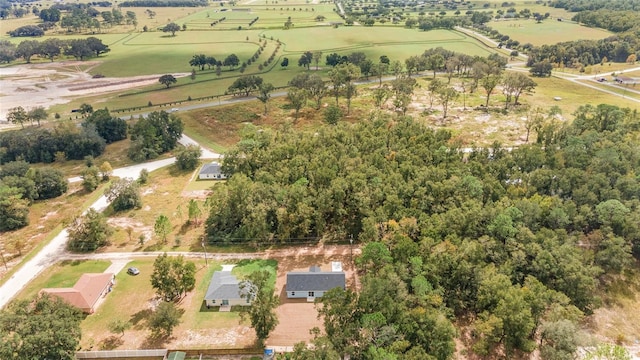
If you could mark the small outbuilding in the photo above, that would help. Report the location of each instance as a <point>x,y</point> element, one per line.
<point>86,292</point>
<point>211,171</point>
<point>224,291</point>
<point>315,282</point>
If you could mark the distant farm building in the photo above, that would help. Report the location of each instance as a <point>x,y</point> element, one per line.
<point>212,171</point>
<point>86,293</point>
<point>315,282</point>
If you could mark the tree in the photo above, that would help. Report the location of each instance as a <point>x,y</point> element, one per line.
<point>297,97</point>
<point>198,60</point>
<point>447,95</point>
<point>162,227</point>
<point>118,326</point>
<point>167,80</point>
<point>14,210</point>
<point>333,59</point>
<point>317,55</point>
<point>164,319</point>
<point>90,178</point>
<point>17,115</point>
<point>124,194</point>
<point>88,232</point>
<point>305,59</point>
<point>541,69</point>
<point>514,84</point>
<point>194,211</point>
<point>332,114</point>
<point>631,59</point>
<point>38,114</point>
<point>86,109</point>
<point>172,28</point>
<point>50,183</point>
<point>173,277</point>
<point>285,62</point>
<point>264,94</point>
<point>435,62</point>
<point>257,290</point>
<point>106,170</point>
<point>110,128</point>
<point>27,48</point>
<point>342,76</point>
<point>154,135</point>
<point>489,83</point>
<point>45,327</point>
<point>231,61</point>
<point>188,157</point>
<point>245,85</point>
<point>97,46</point>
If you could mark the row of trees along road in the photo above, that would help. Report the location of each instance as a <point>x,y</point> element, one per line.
<point>52,48</point>
<point>521,242</point>
<point>475,72</point>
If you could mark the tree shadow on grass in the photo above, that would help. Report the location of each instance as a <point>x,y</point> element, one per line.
<point>155,340</point>
<point>110,343</point>
<point>138,319</point>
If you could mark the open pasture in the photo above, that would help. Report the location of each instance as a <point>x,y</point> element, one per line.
<point>547,32</point>
<point>397,43</point>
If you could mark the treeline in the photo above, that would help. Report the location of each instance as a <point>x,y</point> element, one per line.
<point>582,5</point>
<point>52,48</point>
<point>576,54</point>
<point>615,21</point>
<point>20,185</point>
<point>518,241</point>
<point>161,3</point>
<point>35,145</point>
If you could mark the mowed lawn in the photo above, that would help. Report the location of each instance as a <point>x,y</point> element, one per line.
<point>133,299</point>
<point>62,274</point>
<point>549,31</point>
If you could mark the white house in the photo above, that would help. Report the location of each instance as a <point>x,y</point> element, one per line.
<point>211,171</point>
<point>315,282</point>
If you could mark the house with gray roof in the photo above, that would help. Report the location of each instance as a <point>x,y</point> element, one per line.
<point>211,171</point>
<point>224,291</point>
<point>315,282</point>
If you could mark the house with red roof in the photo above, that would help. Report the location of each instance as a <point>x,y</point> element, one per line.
<point>86,292</point>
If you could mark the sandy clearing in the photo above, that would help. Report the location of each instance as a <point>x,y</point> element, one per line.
<point>47,84</point>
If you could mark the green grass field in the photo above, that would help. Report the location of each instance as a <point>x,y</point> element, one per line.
<point>548,32</point>
<point>63,274</point>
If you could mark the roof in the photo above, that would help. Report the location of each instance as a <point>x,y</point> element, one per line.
<point>213,168</point>
<point>223,286</point>
<point>177,355</point>
<point>86,292</point>
<point>315,280</point>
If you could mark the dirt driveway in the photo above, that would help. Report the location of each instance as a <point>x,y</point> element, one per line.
<point>297,316</point>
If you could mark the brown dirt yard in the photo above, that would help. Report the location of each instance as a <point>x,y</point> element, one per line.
<point>297,317</point>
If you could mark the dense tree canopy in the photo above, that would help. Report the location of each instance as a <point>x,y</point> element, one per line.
<point>154,135</point>
<point>42,328</point>
<point>502,235</point>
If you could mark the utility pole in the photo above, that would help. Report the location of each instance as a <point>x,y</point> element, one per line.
<point>205,253</point>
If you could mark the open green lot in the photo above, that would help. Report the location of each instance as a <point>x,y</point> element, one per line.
<point>133,298</point>
<point>547,32</point>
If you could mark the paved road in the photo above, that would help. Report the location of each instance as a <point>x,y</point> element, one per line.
<point>55,250</point>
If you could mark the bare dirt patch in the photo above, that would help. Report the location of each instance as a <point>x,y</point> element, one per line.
<point>136,226</point>
<point>48,84</point>
<point>297,317</point>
